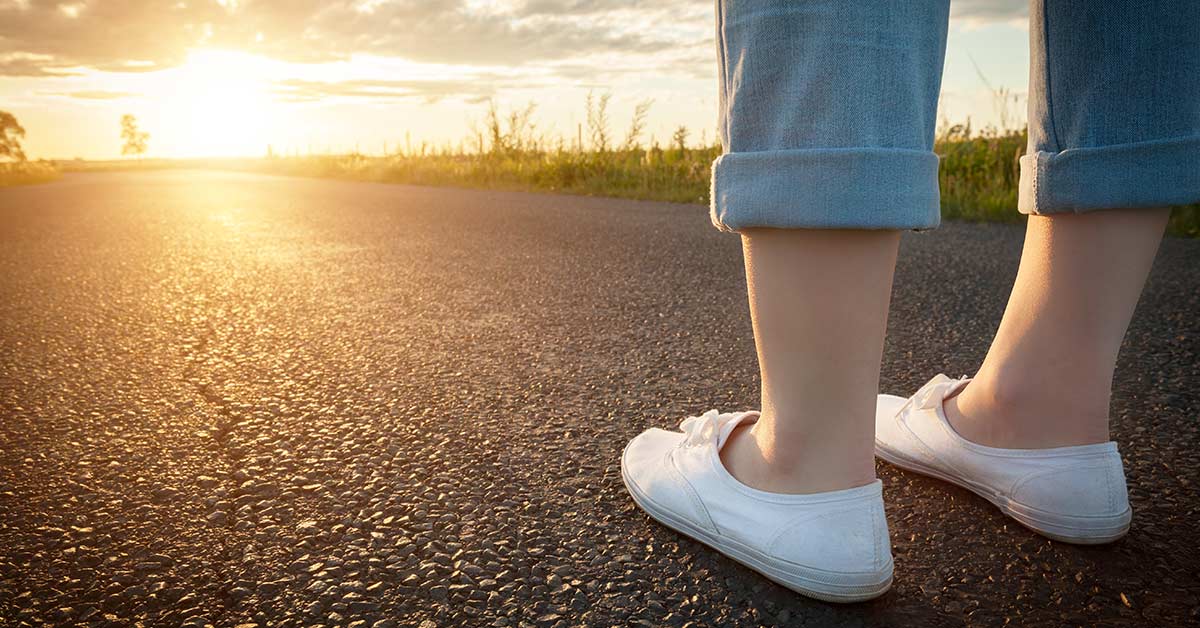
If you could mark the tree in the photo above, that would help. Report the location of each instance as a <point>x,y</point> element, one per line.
<point>679,138</point>
<point>135,138</point>
<point>11,133</point>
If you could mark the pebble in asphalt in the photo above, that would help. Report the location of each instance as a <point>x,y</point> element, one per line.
<point>231,399</point>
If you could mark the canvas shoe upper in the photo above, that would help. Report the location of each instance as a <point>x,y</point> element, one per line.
<point>832,546</point>
<point>1075,494</point>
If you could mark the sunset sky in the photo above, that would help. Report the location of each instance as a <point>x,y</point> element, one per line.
<point>230,77</point>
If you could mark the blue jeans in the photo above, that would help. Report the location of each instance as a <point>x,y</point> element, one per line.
<point>828,107</point>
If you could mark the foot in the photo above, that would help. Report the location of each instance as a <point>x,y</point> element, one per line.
<point>831,545</point>
<point>1075,494</point>
<point>1017,420</point>
<point>753,458</point>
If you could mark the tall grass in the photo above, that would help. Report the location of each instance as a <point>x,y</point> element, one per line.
<point>655,173</point>
<point>978,173</point>
<point>979,169</point>
<point>27,172</point>
<point>507,152</point>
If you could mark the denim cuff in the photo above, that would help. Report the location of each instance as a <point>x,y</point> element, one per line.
<point>1157,173</point>
<point>845,188</point>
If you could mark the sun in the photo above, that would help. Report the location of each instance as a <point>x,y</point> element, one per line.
<point>220,104</point>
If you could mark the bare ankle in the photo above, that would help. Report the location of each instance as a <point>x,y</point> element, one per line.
<point>1019,414</point>
<point>792,468</point>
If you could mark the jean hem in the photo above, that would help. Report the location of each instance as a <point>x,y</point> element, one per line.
<point>851,188</point>
<point>1156,173</point>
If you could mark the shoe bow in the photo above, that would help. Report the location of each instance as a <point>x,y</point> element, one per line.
<point>704,428</point>
<point>933,392</point>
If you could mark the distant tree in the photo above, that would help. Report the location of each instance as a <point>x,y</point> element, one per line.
<point>135,138</point>
<point>11,133</point>
<point>679,138</point>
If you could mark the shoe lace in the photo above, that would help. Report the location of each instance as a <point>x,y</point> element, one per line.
<point>703,428</point>
<point>930,395</point>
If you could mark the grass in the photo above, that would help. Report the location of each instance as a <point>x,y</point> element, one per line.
<point>673,175</point>
<point>979,170</point>
<point>27,172</point>
<point>978,174</point>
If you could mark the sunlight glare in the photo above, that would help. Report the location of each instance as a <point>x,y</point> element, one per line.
<point>223,100</point>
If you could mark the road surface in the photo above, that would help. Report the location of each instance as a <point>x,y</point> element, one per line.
<point>233,399</point>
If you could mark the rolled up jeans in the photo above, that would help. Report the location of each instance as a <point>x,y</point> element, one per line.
<point>828,109</point>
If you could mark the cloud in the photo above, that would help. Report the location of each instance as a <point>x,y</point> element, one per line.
<point>990,10</point>
<point>588,7</point>
<point>96,94</point>
<point>109,34</point>
<point>19,64</point>
<point>52,37</point>
<point>475,89</point>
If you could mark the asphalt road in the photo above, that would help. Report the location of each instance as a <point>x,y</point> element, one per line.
<point>233,399</point>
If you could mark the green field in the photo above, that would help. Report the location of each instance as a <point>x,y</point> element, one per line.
<point>27,172</point>
<point>978,173</point>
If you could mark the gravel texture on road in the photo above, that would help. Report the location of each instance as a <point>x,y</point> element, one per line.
<point>229,399</point>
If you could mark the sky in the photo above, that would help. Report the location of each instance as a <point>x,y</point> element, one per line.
<point>232,77</point>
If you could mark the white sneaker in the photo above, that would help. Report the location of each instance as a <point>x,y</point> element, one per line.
<point>1073,494</point>
<point>833,546</point>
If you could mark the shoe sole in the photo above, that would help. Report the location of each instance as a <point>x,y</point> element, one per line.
<point>809,581</point>
<point>1080,530</point>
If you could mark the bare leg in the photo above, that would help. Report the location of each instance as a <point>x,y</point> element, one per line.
<point>819,303</point>
<point>1047,378</point>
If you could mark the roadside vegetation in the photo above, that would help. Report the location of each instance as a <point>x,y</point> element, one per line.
<point>979,168</point>
<point>15,169</point>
